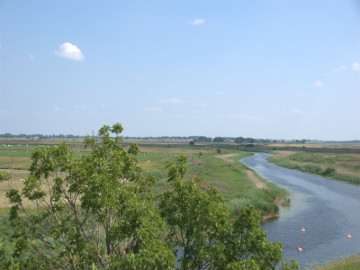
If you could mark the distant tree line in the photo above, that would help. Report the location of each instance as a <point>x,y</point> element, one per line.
<point>41,136</point>
<point>195,139</point>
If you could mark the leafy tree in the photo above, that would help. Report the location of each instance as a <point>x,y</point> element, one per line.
<point>219,139</point>
<point>97,211</point>
<point>201,230</point>
<point>239,140</point>
<point>92,210</point>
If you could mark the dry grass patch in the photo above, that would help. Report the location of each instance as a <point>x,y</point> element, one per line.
<point>255,179</point>
<point>226,157</point>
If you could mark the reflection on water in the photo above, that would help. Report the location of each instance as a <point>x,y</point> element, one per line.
<point>298,204</point>
<point>327,209</point>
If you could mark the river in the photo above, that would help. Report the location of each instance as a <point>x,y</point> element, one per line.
<point>327,209</point>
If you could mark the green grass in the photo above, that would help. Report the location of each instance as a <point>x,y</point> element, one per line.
<point>344,167</point>
<point>229,178</point>
<point>350,263</point>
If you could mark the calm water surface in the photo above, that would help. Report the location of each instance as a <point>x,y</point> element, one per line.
<point>327,209</point>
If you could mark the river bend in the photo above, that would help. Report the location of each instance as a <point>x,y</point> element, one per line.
<point>327,209</point>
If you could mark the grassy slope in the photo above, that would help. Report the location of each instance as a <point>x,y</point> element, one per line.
<point>230,178</point>
<point>350,263</point>
<point>339,166</point>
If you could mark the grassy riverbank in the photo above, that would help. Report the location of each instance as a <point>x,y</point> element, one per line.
<point>238,185</point>
<point>339,166</point>
<point>350,263</point>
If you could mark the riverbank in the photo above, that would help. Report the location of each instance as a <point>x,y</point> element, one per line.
<point>238,185</point>
<point>326,209</point>
<point>338,166</point>
<point>349,263</point>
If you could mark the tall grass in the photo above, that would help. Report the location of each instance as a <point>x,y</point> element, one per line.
<point>342,167</point>
<point>229,178</point>
<point>350,263</point>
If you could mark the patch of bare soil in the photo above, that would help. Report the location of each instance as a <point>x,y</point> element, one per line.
<point>250,174</point>
<point>255,179</point>
<point>283,154</point>
<point>226,157</point>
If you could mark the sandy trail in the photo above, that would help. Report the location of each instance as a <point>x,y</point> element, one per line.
<point>249,173</point>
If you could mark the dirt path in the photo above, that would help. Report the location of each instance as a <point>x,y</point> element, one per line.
<point>283,154</point>
<point>249,173</point>
<point>255,179</point>
<point>226,157</point>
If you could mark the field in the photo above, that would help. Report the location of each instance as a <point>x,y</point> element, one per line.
<point>339,166</point>
<point>238,185</point>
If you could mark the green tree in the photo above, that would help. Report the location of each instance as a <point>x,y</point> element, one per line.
<point>97,210</point>
<point>93,210</point>
<point>203,234</point>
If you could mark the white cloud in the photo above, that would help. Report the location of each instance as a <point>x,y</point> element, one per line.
<point>318,84</point>
<point>197,21</point>
<point>69,51</point>
<point>202,104</point>
<point>56,109</point>
<point>32,57</point>
<point>171,100</point>
<point>356,66</point>
<point>153,109</point>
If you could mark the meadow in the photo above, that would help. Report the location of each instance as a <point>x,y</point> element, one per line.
<point>338,166</point>
<point>238,185</point>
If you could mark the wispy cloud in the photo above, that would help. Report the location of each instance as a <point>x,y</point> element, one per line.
<point>69,51</point>
<point>170,101</point>
<point>356,66</point>
<point>338,69</point>
<point>197,22</point>
<point>153,109</point>
<point>318,84</point>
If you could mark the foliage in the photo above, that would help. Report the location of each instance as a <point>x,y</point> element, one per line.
<point>97,210</point>
<point>325,165</point>
<point>200,228</point>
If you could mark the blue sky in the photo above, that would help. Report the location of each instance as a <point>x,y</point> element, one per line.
<point>262,69</point>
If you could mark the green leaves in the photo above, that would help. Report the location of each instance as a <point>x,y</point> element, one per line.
<point>97,210</point>
<point>200,227</point>
<point>4,176</point>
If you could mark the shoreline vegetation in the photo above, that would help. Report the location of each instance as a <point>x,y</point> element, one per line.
<point>342,167</point>
<point>348,263</point>
<point>116,206</point>
<point>217,163</point>
<point>238,185</point>
<point>214,165</point>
